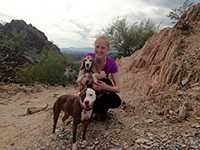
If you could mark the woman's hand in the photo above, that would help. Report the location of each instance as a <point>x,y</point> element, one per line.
<point>100,75</point>
<point>100,85</point>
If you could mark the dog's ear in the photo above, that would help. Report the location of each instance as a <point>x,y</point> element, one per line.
<point>82,94</point>
<point>82,66</point>
<point>92,67</point>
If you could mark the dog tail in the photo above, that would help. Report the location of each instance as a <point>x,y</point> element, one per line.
<point>56,113</point>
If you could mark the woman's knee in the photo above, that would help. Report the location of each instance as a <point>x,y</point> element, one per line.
<point>119,102</point>
<point>116,100</point>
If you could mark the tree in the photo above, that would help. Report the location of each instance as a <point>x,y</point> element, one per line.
<point>175,14</point>
<point>127,38</point>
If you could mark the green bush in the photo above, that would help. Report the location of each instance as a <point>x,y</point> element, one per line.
<point>25,76</point>
<point>72,73</point>
<point>126,38</point>
<point>50,70</point>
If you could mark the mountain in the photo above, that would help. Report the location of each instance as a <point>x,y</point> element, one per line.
<point>21,44</point>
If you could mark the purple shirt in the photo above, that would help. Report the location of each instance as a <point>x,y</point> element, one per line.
<point>110,66</point>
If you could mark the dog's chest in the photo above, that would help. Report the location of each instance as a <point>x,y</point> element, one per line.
<point>86,115</point>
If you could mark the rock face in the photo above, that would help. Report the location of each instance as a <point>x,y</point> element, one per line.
<point>170,59</point>
<point>21,45</point>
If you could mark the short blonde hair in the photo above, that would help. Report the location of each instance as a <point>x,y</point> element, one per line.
<point>104,38</point>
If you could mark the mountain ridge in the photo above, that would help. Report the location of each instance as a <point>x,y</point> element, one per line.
<point>21,44</point>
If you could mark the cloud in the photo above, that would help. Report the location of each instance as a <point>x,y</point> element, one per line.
<point>68,34</point>
<point>169,4</point>
<point>77,22</point>
<point>155,14</point>
<point>163,3</point>
<point>5,17</point>
<point>82,29</point>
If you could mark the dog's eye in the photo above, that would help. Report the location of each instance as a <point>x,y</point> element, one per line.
<point>90,94</point>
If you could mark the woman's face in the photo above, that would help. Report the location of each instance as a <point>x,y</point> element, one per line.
<point>101,49</point>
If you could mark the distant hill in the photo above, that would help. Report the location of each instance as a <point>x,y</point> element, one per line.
<point>76,53</point>
<point>77,50</point>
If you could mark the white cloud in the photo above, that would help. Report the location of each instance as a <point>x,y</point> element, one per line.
<point>76,22</point>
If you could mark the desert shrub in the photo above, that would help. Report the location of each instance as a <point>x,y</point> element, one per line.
<point>50,70</point>
<point>176,13</point>
<point>126,38</point>
<point>72,72</point>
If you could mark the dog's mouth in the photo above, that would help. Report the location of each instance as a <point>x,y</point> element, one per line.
<point>87,108</point>
<point>87,66</point>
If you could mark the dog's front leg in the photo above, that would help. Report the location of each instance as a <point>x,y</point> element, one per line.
<point>75,124</point>
<point>85,126</point>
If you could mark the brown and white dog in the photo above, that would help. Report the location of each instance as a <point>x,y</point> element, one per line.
<point>79,107</point>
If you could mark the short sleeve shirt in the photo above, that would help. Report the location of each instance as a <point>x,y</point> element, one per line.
<point>110,66</point>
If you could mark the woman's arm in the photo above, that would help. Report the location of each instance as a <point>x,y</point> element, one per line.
<point>115,87</point>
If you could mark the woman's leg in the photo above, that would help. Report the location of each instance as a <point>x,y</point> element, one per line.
<point>112,100</point>
<point>105,101</point>
<point>99,104</point>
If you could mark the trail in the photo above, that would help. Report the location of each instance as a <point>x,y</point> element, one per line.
<point>126,129</point>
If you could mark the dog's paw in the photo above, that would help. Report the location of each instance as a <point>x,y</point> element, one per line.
<point>74,146</point>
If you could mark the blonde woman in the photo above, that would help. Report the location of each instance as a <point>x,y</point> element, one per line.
<point>107,85</point>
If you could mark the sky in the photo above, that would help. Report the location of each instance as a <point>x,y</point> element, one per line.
<point>76,23</point>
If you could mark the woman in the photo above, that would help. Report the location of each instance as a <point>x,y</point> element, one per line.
<point>107,85</point>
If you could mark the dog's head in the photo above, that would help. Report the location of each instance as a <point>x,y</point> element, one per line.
<point>88,98</point>
<point>87,63</point>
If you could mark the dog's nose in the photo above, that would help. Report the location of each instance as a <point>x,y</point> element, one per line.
<point>86,102</point>
<point>87,66</point>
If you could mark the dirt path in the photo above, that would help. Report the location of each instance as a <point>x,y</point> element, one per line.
<point>124,130</point>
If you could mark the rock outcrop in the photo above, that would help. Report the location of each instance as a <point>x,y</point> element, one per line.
<point>21,45</point>
<point>169,61</point>
<point>171,56</point>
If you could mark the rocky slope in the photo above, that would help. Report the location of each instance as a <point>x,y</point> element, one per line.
<point>165,73</point>
<point>20,45</point>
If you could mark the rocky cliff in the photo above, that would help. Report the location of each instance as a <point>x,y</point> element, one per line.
<point>20,45</point>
